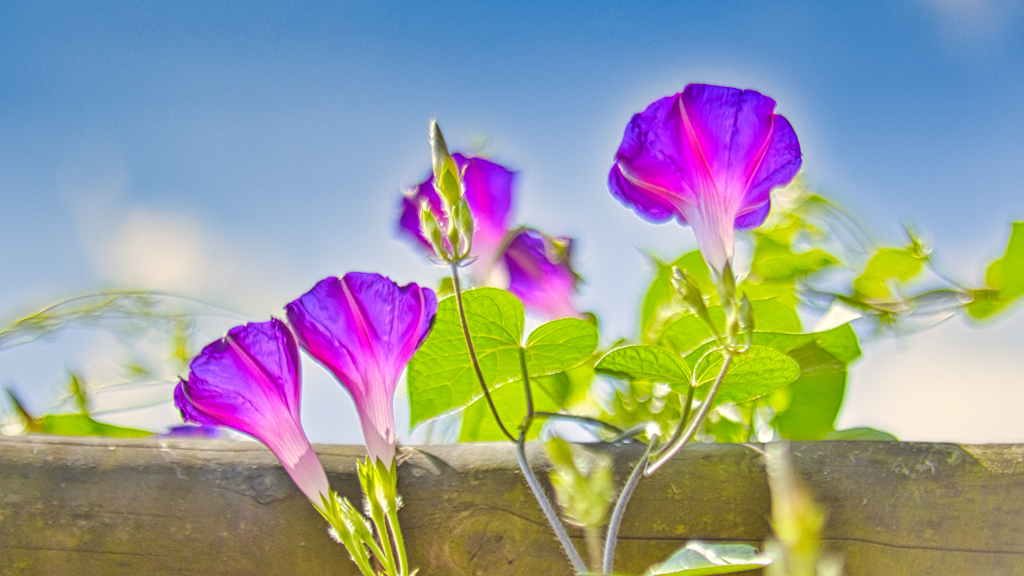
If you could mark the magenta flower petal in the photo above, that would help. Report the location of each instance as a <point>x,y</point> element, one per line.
<point>364,328</point>
<point>710,157</point>
<point>542,279</point>
<point>489,194</point>
<point>250,381</point>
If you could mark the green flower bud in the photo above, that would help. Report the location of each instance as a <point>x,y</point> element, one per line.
<point>746,320</point>
<point>432,231</point>
<point>727,284</point>
<point>690,292</point>
<point>447,179</point>
<point>462,216</point>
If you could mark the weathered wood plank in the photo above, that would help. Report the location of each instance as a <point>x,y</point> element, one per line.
<point>155,507</point>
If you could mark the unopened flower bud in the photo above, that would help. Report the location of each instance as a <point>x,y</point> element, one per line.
<point>746,319</point>
<point>462,216</point>
<point>727,284</point>
<point>692,297</point>
<point>447,178</point>
<point>432,231</point>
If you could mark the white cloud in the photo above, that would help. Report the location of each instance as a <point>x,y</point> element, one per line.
<point>166,251</point>
<point>178,251</point>
<point>134,245</point>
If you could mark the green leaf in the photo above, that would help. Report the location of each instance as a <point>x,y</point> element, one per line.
<point>70,424</point>
<point>83,425</point>
<point>887,265</point>
<point>816,396</point>
<point>776,262</point>
<point>807,409</point>
<point>479,425</point>
<point>577,382</point>
<point>841,342</point>
<point>1004,278</point>
<point>551,393</point>
<point>687,332</point>
<point>984,303</point>
<point>753,374</point>
<point>1007,273</point>
<point>441,377</point>
<point>776,268</point>
<point>648,363</point>
<point>699,559</point>
<point>445,287</point>
<point>863,433</point>
<point>559,345</point>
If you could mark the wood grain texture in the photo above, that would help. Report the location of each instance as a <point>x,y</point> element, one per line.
<point>162,507</point>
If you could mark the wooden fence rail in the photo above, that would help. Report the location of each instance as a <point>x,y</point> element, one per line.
<point>172,507</point>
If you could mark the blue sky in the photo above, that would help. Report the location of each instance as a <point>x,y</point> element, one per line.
<point>240,151</point>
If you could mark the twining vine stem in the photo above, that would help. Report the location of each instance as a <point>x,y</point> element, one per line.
<point>545,504</point>
<point>528,419</point>
<point>620,509</point>
<point>472,352</point>
<point>681,440</point>
<point>683,420</point>
<point>524,466</point>
<point>646,467</point>
<point>531,479</point>
<point>584,420</point>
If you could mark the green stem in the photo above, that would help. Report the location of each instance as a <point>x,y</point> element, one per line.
<point>545,505</point>
<point>472,352</point>
<point>680,440</point>
<point>396,532</point>
<point>380,522</point>
<point>629,433</point>
<point>685,416</point>
<point>528,419</point>
<point>620,509</point>
<point>360,559</point>
<point>593,538</point>
<point>615,430</point>
<point>390,475</point>
<point>375,548</point>
<point>538,492</point>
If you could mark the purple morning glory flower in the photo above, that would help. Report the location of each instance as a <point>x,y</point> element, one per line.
<point>189,431</point>
<point>708,156</point>
<point>488,190</point>
<point>250,381</point>
<point>540,274</point>
<point>364,328</point>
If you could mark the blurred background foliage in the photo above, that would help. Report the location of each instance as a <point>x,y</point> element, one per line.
<point>817,283</point>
